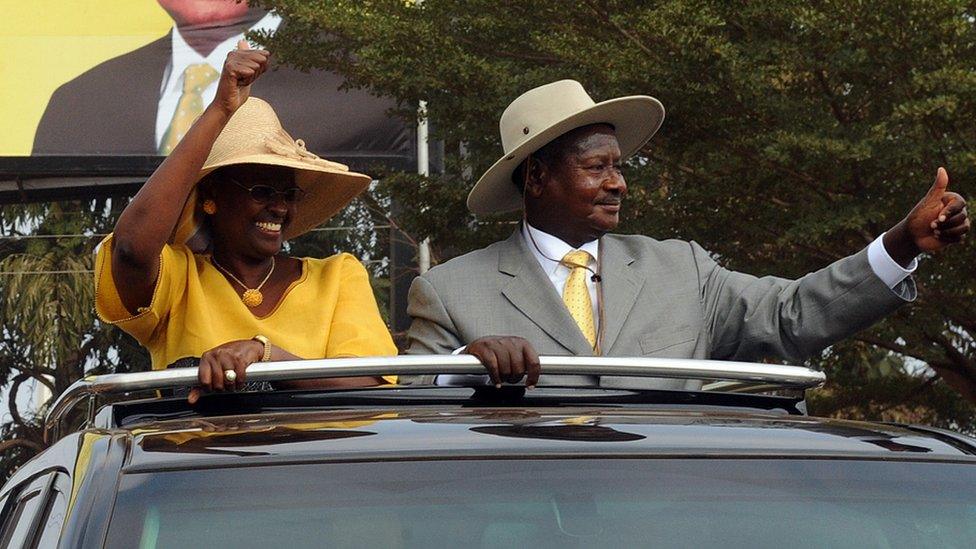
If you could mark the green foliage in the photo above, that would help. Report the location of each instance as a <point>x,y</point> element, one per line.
<point>796,132</point>
<point>47,296</point>
<point>50,334</point>
<point>864,382</point>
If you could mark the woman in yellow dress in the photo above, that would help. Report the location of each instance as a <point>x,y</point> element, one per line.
<point>194,269</point>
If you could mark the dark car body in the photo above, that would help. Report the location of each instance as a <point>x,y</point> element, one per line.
<point>421,467</point>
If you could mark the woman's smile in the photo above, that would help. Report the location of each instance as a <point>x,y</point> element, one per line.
<point>269,227</point>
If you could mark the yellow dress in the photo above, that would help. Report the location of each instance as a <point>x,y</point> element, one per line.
<point>329,312</point>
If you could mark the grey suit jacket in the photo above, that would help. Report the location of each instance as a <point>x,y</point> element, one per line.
<point>661,299</point>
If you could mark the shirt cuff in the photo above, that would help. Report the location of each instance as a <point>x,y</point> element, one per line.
<point>453,379</point>
<point>887,269</point>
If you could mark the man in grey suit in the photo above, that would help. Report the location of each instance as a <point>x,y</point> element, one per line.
<point>563,285</point>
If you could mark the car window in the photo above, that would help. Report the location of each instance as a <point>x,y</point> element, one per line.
<point>6,515</point>
<point>53,515</point>
<point>553,503</point>
<point>24,511</point>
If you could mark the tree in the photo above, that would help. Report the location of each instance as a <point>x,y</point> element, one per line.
<point>796,133</point>
<point>50,335</point>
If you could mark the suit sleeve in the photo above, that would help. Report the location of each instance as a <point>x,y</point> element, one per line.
<point>432,332</point>
<point>749,318</point>
<point>55,134</point>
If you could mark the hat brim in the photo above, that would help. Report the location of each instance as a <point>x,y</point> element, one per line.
<point>635,120</point>
<point>327,191</point>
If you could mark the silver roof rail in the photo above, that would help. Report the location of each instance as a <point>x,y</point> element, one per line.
<point>737,374</point>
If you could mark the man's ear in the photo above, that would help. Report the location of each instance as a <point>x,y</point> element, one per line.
<point>536,177</point>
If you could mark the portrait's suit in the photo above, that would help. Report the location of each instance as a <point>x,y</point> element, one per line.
<point>661,299</point>
<point>111,110</point>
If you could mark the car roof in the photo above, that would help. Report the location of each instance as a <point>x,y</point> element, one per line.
<point>745,410</point>
<point>583,373</point>
<point>450,432</point>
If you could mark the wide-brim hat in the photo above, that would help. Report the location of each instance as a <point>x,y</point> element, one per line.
<point>542,114</point>
<point>254,135</point>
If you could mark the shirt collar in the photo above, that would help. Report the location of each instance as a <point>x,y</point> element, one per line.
<point>184,55</point>
<point>553,248</point>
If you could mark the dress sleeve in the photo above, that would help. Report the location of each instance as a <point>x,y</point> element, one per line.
<point>170,285</point>
<point>357,328</point>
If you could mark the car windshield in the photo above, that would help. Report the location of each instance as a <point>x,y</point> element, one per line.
<point>561,503</point>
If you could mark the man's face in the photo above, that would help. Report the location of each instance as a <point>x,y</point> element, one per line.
<point>204,13</point>
<point>583,189</point>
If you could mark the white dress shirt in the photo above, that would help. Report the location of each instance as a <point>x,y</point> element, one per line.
<point>887,269</point>
<point>549,250</point>
<point>171,88</point>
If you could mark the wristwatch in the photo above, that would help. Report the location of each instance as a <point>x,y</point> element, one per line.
<point>267,347</point>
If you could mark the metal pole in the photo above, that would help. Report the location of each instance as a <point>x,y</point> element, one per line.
<point>423,168</point>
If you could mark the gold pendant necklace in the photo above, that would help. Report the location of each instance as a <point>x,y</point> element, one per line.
<point>252,297</point>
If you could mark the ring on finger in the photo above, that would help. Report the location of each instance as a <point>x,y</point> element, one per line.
<point>230,375</point>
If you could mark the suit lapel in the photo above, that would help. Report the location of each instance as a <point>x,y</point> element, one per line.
<point>532,293</point>
<point>621,285</point>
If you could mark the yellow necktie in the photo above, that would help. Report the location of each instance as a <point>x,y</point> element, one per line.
<point>196,78</point>
<point>576,295</point>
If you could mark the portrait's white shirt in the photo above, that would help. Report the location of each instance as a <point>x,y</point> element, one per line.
<point>171,88</point>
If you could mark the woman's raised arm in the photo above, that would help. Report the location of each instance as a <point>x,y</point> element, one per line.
<point>147,222</point>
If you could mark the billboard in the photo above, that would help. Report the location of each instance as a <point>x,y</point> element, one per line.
<point>118,78</point>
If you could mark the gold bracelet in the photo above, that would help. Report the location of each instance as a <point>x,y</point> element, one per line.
<point>267,347</point>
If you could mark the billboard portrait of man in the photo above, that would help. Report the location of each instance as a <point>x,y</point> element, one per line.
<point>141,102</point>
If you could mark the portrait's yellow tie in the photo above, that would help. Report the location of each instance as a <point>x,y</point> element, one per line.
<point>576,295</point>
<point>196,78</point>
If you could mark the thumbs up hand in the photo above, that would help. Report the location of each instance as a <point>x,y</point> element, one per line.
<point>938,220</point>
<point>242,67</point>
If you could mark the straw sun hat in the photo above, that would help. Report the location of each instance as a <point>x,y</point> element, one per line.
<point>254,135</point>
<point>542,114</point>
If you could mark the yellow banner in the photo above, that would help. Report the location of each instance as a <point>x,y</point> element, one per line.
<point>128,77</point>
<point>47,43</point>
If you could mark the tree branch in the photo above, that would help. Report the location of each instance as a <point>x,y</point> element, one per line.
<point>821,76</point>
<point>955,376</point>
<point>965,365</point>
<point>818,252</point>
<point>479,47</point>
<point>902,350</point>
<point>37,371</point>
<point>623,32</point>
<point>21,442</point>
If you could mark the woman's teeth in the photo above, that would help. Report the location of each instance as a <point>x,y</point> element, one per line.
<point>270,227</point>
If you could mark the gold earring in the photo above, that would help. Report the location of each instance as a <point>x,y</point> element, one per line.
<point>209,207</point>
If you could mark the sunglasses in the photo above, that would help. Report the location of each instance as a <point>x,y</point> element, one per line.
<point>266,194</point>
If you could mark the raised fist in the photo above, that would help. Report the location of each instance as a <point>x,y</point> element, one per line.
<point>242,67</point>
